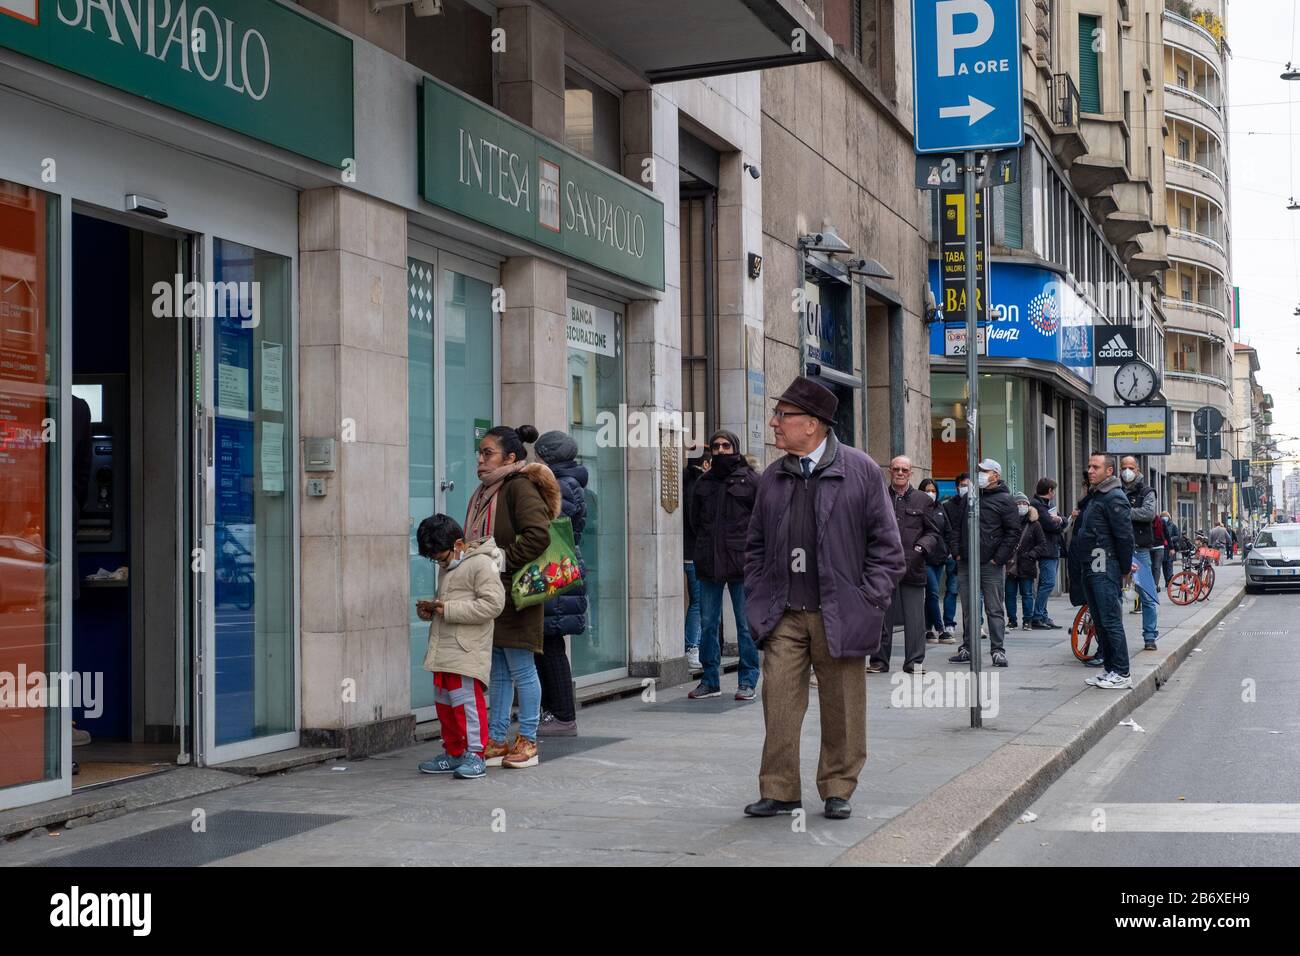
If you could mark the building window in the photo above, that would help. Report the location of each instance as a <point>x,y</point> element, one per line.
<point>1182,428</point>
<point>1184,149</point>
<point>593,120</point>
<point>873,25</point>
<point>1089,67</point>
<point>455,47</point>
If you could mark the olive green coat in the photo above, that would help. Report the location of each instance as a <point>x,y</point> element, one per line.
<point>526,504</point>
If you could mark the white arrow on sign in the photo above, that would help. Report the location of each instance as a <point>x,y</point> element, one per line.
<point>976,110</point>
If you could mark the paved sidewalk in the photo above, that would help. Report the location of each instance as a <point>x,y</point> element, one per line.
<point>664,782</point>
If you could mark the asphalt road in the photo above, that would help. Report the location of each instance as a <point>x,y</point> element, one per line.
<point>1213,777</point>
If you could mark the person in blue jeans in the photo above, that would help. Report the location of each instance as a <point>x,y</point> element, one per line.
<point>934,570</point>
<point>720,506</point>
<point>1142,501</point>
<point>695,469</point>
<point>1053,526</point>
<point>954,510</point>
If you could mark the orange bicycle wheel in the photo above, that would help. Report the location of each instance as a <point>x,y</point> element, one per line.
<point>1207,583</point>
<point>1082,634</point>
<point>1184,587</point>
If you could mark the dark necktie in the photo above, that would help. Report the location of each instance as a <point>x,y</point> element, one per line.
<point>807,464</point>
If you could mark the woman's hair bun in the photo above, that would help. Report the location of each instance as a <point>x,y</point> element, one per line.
<point>527,434</point>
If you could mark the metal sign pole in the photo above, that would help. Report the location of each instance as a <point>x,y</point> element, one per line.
<point>973,568</point>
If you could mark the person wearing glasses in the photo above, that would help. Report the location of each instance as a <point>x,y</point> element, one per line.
<point>821,561</point>
<point>720,507</point>
<point>920,536</point>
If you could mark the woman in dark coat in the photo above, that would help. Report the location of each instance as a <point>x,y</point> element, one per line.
<point>934,568</point>
<point>514,503</point>
<point>720,508</point>
<point>566,614</point>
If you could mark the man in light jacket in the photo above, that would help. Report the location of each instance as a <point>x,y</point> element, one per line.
<point>821,561</point>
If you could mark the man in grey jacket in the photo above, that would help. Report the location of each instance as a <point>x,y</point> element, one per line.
<point>821,561</point>
<point>1142,502</point>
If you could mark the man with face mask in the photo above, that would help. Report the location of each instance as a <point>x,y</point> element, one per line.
<point>999,533</point>
<point>1142,501</point>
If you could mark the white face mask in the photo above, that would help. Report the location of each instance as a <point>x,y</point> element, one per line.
<point>931,495</point>
<point>964,490</point>
<point>1023,509</point>
<point>984,479</point>
<point>1128,474</point>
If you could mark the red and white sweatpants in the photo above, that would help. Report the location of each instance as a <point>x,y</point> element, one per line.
<point>462,712</point>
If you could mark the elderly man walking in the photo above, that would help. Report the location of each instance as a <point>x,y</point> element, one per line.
<point>821,562</point>
<point>919,534</point>
<point>999,534</point>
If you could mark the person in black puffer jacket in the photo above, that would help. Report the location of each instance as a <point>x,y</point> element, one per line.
<point>566,614</point>
<point>720,510</point>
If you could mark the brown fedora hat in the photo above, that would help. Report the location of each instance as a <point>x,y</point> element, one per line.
<point>812,397</point>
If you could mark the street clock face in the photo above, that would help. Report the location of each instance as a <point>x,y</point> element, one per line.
<point>1135,382</point>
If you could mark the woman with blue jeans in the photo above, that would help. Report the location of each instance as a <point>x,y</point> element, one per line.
<point>721,504</point>
<point>514,504</point>
<point>934,571</point>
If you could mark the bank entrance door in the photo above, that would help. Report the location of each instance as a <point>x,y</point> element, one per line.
<point>452,401</point>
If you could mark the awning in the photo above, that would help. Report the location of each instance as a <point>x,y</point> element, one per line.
<point>682,39</point>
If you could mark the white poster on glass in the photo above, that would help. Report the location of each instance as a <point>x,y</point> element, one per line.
<point>272,453</point>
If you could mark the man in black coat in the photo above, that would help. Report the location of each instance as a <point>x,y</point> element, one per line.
<point>999,534</point>
<point>1053,530</point>
<point>1101,558</point>
<point>720,508</point>
<point>694,471</point>
<point>919,534</point>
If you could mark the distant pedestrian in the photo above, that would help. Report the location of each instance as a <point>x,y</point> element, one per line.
<point>999,533</point>
<point>1044,502</point>
<point>567,613</point>
<point>919,535</point>
<point>1159,549</point>
<point>1218,538</point>
<point>935,564</point>
<point>1022,569</point>
<point>1173,542</point>
<point>1101,560</point>
<point>695,468</point>
<point>821,561</point>
<point>721,505</point>
<point>470,597</point>
<point>1142,503</point>
<point>954,512</point>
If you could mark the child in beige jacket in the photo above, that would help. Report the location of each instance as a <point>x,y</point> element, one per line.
<point>470,597</point>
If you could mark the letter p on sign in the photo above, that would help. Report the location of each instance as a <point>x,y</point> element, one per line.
<point>950,41</point>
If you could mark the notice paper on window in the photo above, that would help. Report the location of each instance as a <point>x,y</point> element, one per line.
<point>272,453</point>
<point>272,377</point>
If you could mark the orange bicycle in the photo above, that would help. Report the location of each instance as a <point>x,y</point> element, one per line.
<point>1083,634</point>
<point>1196,580</point>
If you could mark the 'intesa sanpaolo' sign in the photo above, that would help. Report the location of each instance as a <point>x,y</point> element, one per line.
<point>481,164</point>
<point>253,66</point>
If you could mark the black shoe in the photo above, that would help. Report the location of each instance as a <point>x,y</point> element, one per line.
<point>999,658</point>
<point>1041,626</point>
<point>1012,624</point>
<point>768,807</point>
<point>961,657</point>
<point>837,808</point>
<point>1095,661</point>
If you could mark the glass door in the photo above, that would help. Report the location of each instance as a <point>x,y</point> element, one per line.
<point>452,402</point>
<point>247,657</point>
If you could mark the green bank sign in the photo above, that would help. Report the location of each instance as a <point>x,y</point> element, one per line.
<point>253,66</point>
<point>478,163</point>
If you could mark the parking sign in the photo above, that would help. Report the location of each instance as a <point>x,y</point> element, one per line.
<point>966,75</point>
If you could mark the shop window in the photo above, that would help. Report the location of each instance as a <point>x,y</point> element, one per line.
<point>30,538</point>
<point>455,47</point>
<point>593,120</point>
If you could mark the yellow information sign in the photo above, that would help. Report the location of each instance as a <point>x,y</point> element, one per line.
<point>1135,431</point>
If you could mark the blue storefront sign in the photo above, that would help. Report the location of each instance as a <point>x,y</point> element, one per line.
<point>1035,315</point>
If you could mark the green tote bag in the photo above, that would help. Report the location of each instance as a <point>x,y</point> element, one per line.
<point>555,571</point>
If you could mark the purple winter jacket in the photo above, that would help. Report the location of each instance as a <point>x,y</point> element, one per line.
<point>859,555</point>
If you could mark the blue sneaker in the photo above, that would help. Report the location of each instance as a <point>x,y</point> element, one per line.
<point>443,763</point>
<point>472,766</point>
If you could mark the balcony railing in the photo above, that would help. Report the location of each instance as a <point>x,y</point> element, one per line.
<point>1180,375</point>
<point>1214,307</point>
<point>1192,167</point>
<point>1065,100</point>
<point>1198,237</point>
<point>1193,95</point>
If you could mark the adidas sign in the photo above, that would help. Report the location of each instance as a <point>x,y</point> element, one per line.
<point>1116,348</point>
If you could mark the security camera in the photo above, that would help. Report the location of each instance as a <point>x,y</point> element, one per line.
<point>752,170</point>
<point>427,8</point>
